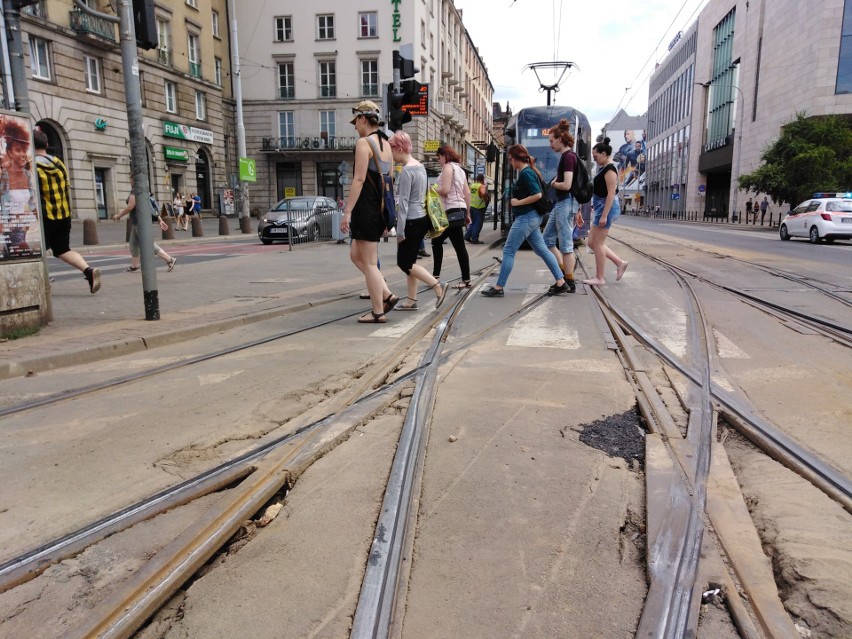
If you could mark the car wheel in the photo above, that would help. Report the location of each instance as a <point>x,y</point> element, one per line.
<point>783,232</point>
<point>814,235</point>
<point>266,240</point>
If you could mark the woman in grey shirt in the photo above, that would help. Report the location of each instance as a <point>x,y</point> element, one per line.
<point>412,223</point>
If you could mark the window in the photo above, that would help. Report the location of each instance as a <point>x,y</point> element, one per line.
<point>216,24</point>
<point>369,78</point>
<point>283,29</point>
<point>193,52</point>
<point>36,10</point>
<point>325,27</point>
<point>328,79</point>
<point>844,59</point>
<point>170,89</point>
<point>423,34</point>
<point>200,105</point>
<point>93,74</point>
<point>192,3</point>
<point>368,24</point>
<point>217,71</point>
<point>142,94</point>
<point>39,58</point>
<point>163,42</point>
<point>286,130</point>
<point>286,81</point>
<point>326,125</point>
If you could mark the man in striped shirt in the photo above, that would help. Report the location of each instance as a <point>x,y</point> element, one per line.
<point>53,187</point>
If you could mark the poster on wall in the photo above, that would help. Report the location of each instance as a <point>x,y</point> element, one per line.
<point>20,230</point>
<point>628,154</point>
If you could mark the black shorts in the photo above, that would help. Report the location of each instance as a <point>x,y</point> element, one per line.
<point>57,235</point>
<point>406,252</point>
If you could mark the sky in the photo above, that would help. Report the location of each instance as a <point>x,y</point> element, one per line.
<point>609,41</point>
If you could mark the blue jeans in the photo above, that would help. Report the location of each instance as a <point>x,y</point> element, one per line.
<point>560,225</point>
<point>477,217</point>
<point>526,227</point>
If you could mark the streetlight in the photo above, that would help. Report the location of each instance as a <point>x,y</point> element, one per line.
<point>739,128</point>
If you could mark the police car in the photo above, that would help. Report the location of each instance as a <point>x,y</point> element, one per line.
<point>826,216</point>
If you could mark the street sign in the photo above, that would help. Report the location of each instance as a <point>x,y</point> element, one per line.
<point>248,170</point>
<point>343,168</point>
<point>418,98</point>
<point>701,188</point>
<point>675,196</point>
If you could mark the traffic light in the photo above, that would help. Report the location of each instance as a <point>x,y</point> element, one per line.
<point>406,67</point>
<point>145,24</point>
<point>397,116</point>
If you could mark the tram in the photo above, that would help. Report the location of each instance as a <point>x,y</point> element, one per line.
<point>531,126</point>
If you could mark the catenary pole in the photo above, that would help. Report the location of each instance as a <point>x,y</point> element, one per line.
<point>245,221</point>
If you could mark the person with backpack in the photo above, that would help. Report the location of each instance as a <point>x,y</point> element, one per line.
<point>362,213</point>
<point>527,225</point>
<point>606,209</point>
<point>478,204</point>
<point>560,225</point>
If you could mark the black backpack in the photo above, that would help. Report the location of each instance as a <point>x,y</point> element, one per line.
<point>581,185</point>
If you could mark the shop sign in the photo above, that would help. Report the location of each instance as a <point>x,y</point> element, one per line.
<point>175,154</point>
<point>308,144</point>
<point>431,146</point>
<point>396,20</point>
<point>183,132</point>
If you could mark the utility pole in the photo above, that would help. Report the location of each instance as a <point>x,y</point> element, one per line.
<point>245,220</point>
<point>138,153</point>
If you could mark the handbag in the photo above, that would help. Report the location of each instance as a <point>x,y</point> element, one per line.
<point>435,211</point>
<point>388,203</point>
<point>543,205</point>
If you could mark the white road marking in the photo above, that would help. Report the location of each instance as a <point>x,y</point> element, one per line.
<point>217,378</point>
<point>546,326</point>
<point>727,348</point>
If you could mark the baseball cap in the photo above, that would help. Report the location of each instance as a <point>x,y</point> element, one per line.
<point>366,107</point>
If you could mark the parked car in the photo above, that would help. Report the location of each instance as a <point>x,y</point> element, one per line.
<point>306,218</point>
<point>827,216</point>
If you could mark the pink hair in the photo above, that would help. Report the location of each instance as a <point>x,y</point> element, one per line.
<point>401,142</point>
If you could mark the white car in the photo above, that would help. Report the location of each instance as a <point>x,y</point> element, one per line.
<point>828,216</point>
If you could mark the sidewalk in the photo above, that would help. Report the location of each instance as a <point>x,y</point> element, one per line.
<point>89,328</point>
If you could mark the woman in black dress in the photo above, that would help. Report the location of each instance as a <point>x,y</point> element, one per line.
<point>362,214</point>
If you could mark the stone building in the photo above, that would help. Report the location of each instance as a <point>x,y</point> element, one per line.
<point>76,95</point>
<point>722,95</point>
<point>303,71</point>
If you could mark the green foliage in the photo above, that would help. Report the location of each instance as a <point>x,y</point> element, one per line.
<point>812,154</point>
<point>18,333</point>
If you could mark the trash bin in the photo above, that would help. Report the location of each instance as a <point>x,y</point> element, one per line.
<point>336,234</point>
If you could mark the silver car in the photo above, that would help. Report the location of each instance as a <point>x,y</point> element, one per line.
<point>305,218</point>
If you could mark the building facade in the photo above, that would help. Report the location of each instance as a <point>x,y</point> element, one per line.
<point>304,70</point>
<point>76,96</point>
<point>756,64</point>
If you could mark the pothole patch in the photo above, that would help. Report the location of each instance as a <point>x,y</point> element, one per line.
<point>617,435</point>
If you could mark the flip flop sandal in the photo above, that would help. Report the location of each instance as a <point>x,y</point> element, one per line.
<point>403,307</point>
<point>364,296</point>
<point>390,302</point>
<point>463,284</point>
<point>442,296</point>
<point>132,269</point>
<point>375,318</point>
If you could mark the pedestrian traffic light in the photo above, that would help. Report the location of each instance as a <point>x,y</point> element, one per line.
<point>397,116</point>
<point>145,23</point>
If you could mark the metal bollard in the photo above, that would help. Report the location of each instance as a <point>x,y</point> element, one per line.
<point>197,229</point>
<point>223,226</point>
<point>245,225</point>
<point>90,232</point>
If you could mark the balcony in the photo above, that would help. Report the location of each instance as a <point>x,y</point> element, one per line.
<point>286,93</point>
<point>95,30</point>
<point>328,92</point>
<point>164,56</point>
<point>195,69</point>
<point>443,108</point>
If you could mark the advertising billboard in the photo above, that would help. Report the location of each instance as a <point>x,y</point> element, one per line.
<point>628,154</point>
<point>20,230</point>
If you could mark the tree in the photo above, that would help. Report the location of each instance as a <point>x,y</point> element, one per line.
<point>812,154</point>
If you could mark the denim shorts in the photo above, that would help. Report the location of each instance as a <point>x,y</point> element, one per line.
<point>598,207</point>
<point>560,225</point>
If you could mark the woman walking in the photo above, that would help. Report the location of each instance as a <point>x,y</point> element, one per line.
<point>455,196</point>
<point>527,224</point>
<point>606,210</point>
<point>560,224</point>
<point>362,214</point>
<point>135,249</point>
<point>412,223</point>
<point>180,213</point>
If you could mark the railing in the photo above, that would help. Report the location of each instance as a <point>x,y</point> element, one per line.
<point>370,90</point>
<point>328,92</point>
<point>195,69</point>
<point>769,219</point>
<point>164,56</point>
<point>84,24</point>
<point>286,93</point>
